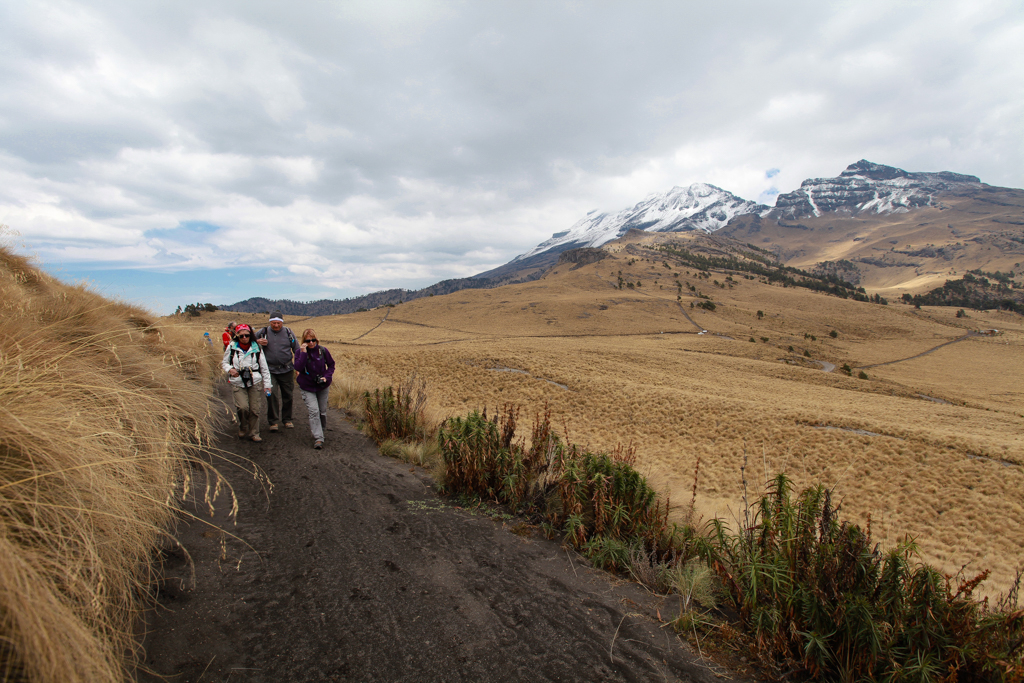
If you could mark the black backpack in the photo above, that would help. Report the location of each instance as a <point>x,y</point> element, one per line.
<point>262,333</point>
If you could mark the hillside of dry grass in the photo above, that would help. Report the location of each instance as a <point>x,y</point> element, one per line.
<point>930,446</point>
<point>104,412</point>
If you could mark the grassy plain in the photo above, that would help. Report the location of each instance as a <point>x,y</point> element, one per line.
<point>628,365</point>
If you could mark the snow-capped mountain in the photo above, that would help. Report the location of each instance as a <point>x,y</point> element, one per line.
<point>868,187</point>
<point>697,207</point>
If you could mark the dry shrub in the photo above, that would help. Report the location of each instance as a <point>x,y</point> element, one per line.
<point>103,413</point>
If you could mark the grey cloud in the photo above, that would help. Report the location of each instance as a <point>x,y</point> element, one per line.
<point>460,127</point>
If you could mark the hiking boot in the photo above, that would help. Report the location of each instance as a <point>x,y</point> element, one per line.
<point>289,425</point>
<point>273,428</point>
<point>318,445</point>
<point>257,438</point>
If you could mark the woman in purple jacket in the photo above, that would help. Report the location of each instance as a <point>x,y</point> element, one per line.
<point>316,368</point>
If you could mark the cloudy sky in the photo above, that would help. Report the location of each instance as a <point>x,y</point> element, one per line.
<point>211,151</point>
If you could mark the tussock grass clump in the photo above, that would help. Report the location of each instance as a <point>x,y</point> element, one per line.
<point>422,453</point>
<point>819,598</point>
<point>102,411</point>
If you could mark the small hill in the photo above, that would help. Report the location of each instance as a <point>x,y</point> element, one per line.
<point>975,290</point>
<point>387,297</point>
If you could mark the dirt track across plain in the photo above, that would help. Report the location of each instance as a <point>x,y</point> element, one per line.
<point>352,569</point>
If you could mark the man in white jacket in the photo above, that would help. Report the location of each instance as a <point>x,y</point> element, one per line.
<point>247,369</point>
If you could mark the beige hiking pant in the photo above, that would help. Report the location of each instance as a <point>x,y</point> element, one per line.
<point>247,403</point>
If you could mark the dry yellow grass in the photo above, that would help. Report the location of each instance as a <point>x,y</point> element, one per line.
<point>102,410</point>
<point>633,368</point>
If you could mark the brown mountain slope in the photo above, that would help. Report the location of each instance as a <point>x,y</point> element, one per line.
<point>910,252</point>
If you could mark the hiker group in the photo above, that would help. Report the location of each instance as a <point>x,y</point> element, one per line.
<point>270,361</point>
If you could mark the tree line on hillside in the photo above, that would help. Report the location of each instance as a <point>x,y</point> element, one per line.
<point>975,290</point>
<point>195,309</point>
<point>373,300</point>
<point>760,263</point>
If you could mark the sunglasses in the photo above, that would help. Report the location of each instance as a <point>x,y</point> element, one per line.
<point>310,340</point>
<point>241,336</point>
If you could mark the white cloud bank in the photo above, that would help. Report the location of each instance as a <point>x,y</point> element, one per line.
<point>358,146</point>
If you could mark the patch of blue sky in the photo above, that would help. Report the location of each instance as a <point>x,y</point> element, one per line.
<point>768,196</point>
<point>184,230</point>
<point>162,292</point>
<point>772,172</point>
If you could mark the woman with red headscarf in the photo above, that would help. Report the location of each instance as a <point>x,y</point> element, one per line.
<point>247,369</point>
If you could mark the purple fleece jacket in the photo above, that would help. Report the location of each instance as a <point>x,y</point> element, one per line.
<point>313,365</point>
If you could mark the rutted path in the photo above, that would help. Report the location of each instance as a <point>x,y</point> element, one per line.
<point>687,316</point>
<point>352,569</point>
<point>386,314</point>
<point>970,334</point>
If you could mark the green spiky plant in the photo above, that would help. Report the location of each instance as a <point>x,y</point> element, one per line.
<point>819,598</point>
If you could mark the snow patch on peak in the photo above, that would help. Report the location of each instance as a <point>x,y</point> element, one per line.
<point>868,187</point>
<point>699,206</point>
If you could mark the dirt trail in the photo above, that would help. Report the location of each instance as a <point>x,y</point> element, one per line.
<point>356,571</point>
<point>970,334</point>
<point>386,314</point>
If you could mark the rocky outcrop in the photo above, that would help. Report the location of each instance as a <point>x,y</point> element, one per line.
<point>581,257</point>
<point>868,187</point>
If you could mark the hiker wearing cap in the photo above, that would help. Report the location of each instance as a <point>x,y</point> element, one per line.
<point>247,370</point>
<point>280,344</point>
<point>316,369</point>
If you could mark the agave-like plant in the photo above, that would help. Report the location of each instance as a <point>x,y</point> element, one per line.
<point>817,596</point>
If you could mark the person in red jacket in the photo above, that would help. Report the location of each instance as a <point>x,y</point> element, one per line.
<point>229,334</point>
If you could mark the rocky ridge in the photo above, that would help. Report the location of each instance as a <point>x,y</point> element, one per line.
<point>866,187</point>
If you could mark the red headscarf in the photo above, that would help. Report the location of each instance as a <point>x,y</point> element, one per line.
<point>243,328</point>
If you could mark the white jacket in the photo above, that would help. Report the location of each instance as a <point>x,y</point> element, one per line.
<point>252,359</point>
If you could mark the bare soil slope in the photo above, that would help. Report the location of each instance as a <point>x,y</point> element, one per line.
<point>351,569</point>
